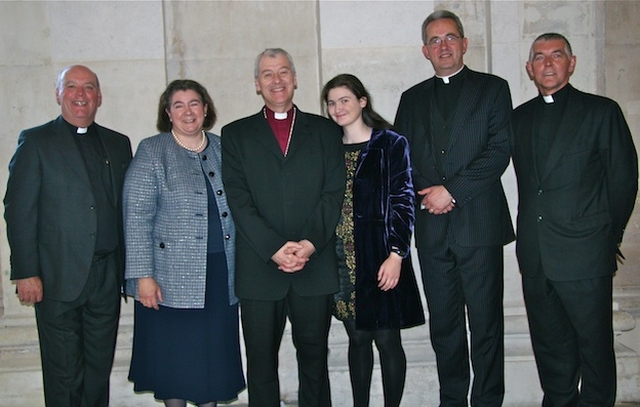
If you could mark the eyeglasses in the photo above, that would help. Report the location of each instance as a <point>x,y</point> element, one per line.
<point>449,39</point>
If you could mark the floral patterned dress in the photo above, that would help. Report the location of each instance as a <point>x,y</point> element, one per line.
<point>345,300</point>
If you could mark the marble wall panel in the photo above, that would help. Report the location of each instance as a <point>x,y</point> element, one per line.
<point>217,42</point>
<point>25,33</point>
<point>106,30</point>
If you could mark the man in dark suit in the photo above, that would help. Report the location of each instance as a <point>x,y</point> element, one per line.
<point>65,232</point>
<point>458,127</point>
<point>577,171</point>
<point>284,174</point>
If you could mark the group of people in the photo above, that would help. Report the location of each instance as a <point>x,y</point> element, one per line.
<point>295,216</point>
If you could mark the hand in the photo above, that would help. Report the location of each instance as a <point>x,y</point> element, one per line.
<point>437,200</point>
<point>287,257</point>
<point>149,292</point>
<point>29,290</point>
<point>389,272</point>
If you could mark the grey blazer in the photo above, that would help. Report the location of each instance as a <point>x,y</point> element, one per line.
<point>165,218</point>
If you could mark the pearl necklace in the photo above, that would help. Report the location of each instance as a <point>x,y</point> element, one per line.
<point>193,150</point>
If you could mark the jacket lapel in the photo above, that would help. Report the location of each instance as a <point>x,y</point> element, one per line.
<point>68,149</point>
<point>265,136</point>
<point>527,147</point>
<point>111,157</point>
<point>572,117</point>
<point>466,103</point>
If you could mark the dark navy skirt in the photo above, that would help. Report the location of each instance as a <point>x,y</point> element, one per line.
<point>190,354</point>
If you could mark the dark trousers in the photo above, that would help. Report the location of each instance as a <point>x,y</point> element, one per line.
<point>572,336</point>
<point>77,340</point>
<point>458,279</point>
<point>263,324</point>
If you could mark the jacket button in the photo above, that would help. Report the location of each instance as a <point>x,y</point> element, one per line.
<point>539,192</point>
<point>224,214</point>
<point>211,173</point>
<point>539,218</point>
<point>161,245</point>
<point>227,237</point>
<point>219,192</point>
<point>204,158</point>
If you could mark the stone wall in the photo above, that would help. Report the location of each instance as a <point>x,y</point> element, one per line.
<point>138,47</point>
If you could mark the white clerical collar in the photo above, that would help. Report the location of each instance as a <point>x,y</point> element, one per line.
<point>82,130</point>
<point>446,79</point>
<point>280,116</point>
<point>547,99</point>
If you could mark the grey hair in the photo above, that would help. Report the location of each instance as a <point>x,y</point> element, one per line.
<point>439,15</point>
<point>551,37</point>
<point>272,53</point>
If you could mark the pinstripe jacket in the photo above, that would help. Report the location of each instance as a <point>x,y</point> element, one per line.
<point>477,156</point>
<point>165,218</point>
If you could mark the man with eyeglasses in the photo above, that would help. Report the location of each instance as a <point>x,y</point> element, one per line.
<point>458,127</point>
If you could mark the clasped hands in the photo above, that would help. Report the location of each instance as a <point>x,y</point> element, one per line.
<point>293,256</point>
<point>437,200</point>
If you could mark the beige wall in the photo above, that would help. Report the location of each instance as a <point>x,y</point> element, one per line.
<point>137,47</point>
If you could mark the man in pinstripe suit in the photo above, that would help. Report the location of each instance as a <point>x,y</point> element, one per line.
<point>458,127</point>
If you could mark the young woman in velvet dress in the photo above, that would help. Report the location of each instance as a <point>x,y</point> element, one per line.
<point>378,293</point>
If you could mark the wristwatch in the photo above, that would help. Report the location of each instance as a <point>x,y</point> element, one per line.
<point>397,251</point>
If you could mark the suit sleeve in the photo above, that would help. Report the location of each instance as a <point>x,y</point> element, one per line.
<point>404,123</point>
<point>621,168</point>
<point>489,165</point>
<point>254,228</point>
<point>320,229</point>
<point>139,201</point>
<point>21,208</point>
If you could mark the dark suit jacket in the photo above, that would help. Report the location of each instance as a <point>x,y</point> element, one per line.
<point>477,156</point>
<point>572,213</point>
<point>275,199</point>
<point>50,208</point>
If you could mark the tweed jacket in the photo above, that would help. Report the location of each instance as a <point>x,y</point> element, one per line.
<point>165,216</point>
<point>50,207</point>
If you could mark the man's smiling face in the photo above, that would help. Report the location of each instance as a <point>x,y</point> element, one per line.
<point>276,82</point>
<point>79,96</point>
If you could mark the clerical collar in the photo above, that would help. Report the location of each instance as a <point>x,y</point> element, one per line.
<point>447,79</point>
<point>277,115</point>
<point>77,130</point>
<point>557,97</point>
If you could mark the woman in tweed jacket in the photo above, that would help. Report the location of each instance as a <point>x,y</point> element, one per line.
<point>180,250</point>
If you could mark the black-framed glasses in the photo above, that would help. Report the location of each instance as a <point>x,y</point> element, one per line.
<point>449,39</point>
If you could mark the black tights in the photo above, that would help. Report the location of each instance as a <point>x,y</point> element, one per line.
<point>183,403</point>
<point>393,364</point>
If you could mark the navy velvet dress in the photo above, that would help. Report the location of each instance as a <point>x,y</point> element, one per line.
<point>377,213</point>
<point>192,354</point>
